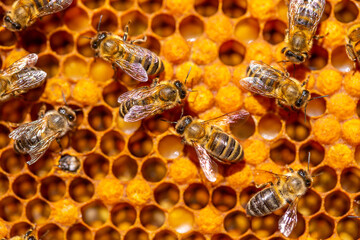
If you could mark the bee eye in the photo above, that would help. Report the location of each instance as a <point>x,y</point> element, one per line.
<point>307,183</point>
<point>7,19</point>
<point>71,117</point>
<point>31,238</point>
<point>94,45</point>
<point>62,111</point>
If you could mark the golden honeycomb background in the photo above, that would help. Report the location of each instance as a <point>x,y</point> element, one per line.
<point>138,181</point>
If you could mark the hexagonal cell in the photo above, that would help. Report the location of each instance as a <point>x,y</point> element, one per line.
<point>316,150</point>
<point>75,67</point>
<point>61,42</point>
<point>108,22</point>
<point>83,44</point>
<point>249,237</point>
<point>136,233</point>
<point>269,126</point>
<point>96,166</point>
<point>152,217</point>
<point>10,209</point>
<point>123,215</point>
<point>100,118</point>
<point>38,211</point>
<point>112,143</point>
<point>112,92</point>
<point>346,11</point>
<point>24,186</point>
<point>52,188</point>
<point>327,11</point>
<point>310,203</point>
<point>42,167</point>
<point>78,24</point>
<point>107,233</point>
<point>33,41</point>
<point>93,4</point>
<point>282,152</point>
<point>12,162</point>
<point>170,147</point>
<point>191,28</point>
<point>232,53</point>
<point>51,232</point>
<point>125,168</point>
<point>153,170</point>
<point>274,31</point>
<point>49,23</point>
<point>94,214</point>
<point>4,183</point>
<point>220,236</point>
<point>181,219</point>
<point>139,22</point>
<point>321,226</point>
<point>264,226</point>
<point>350,180</point>
<point>7,38</point>
<point>243,130</point>
<point>167,195</point>
<point>326,179</point>
<point>317,106</point>
<point>206,8</point>
<point>163,25</point>
<point>297,129</point>
<point>19,229</point>
<point>224,198</point>
<point>348,228</point>
<point>49,63</point>
<point>78,231</point>
<point>319,58</point>
<point>150,6</point>
<point>165,235</point>
<point>196,196</point>
<point>140,144</point>
<point>337,203</point>
<point>83,141</point>
<point>340,60</point>
<point>152,44</point>
<point>14,110</point>
<point>234,9</point>
<point>155,125</point>
<point>236,223</point>
<point>81,189</point>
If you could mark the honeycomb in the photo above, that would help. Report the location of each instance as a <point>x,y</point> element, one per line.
<point>138,181</point>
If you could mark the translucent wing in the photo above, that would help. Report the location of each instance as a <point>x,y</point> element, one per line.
<point>208,165</point>
<point>138,93</point>
<point>228,118</point>
<point>54,6</point>
<point>26,79</point>
<point>134,70</point>
<point>139,112</point>
<point>27,61</point>
<point>288,221</point>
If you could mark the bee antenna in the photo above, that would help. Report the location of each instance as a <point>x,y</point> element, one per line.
<point>86,37</point>
<point>352,216</point>
<point>98,26</point>
<point>318,97</point>
<point>77,110</point>
<point>164,120</point>
<point>63,95</point>
<point>308,163</point>
<point>187,75</point>
<point>316,175</point>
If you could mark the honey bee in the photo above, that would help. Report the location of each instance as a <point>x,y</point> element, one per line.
<point>289,188</point>
<point>25,12</point>
<point>148,101</point>
<point>28,236</point>
<point>34,138</point>
<point>352,43</point>
<point>210,140</point>
<point>20,77</point>
<point>304,17</point>
<point>69,163</point>
<point>136,61</point>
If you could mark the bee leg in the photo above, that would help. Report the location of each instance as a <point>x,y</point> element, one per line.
<point>282,106</point>
<point>155,82</point>
<point>59,143</point>
<point>141,40</point>
<point>317,37</point>
<point>126,32</point>
<point>28,233</point>
<point>291,170</point>
<point>264,185</point>
<point>42,110</point>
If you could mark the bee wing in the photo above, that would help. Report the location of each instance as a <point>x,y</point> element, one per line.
<point>138,93</point>
<point>26,80</point>
<point>288,221</point>
<point>228,118</point>
<point>54,6</point>
<point>134,70</point>
<point>27,61</point>
<point>208,165</point>
<point>256,85</point>
<point>139,112</point>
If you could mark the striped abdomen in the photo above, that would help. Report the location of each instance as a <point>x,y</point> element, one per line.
<point>269,76</point>
<point>354,37</point>
<point>308,14</point>
<point>26,143</point>
<point>264,202</point>
<point>127,105</point>
<point>224,148</point>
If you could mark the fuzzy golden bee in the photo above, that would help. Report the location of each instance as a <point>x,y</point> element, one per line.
<point>304,17</point>
<point>34,138</point>
<point>20,77</point>
<point>29,235</point>
<point>25,12</point>
<point>210,140</point>
<point>352,43</point>
<point>136,61</point>
<point>69,163</point>
<point>289,189</point>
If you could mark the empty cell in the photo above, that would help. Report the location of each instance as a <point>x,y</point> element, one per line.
<point>327,11</point>
<point>325,179</point>
<point>150,6</point>
<point>140,144</point>
<point>196,196</point>
<point>136,233</point>
<point>152,217</point>
<point>107,233</point>
<point>206,8</point>
<point>83,141</point>
<point>299,228</point>
<point>193,236</point>
<point>181,219</point>
<point>78,231</point>
<point>62,42</point>
<point>170,147</point>
<point>220,236</point>
<point>37,211</point>
<point>51,232</point>
<point>346,11</point>
<point>52,188</point>
<point>96,166</point>
<point>10,209</point>
<point>337,203</point>
<point>350,180</point>
<point>264,226</point>
<point>318,59</point>
<point>125,168</point>
<point>234,8</point>
<point>340,60</point>
<point>49,23</point>
<point>121,5</point>
<point>112,143</point>
<point>163,25</point>
<point>348,228</point>
<point>7,38</point>
<point>274,31</point>
<point>156,125</point>
<point>165,235</point>
<point>247,30</point>
<point>94,214</point>
<point>14,111</point>
<point>191,27</point>
<point>152,44</point>
<point>75,67</point>
<point>12,162</point>
<point>108,23</point>
<point>316,150</point>
<point>297,129</point>
<point>43,167</point>
<point>321,226</point>
<point>276,238</point>
<point>25,186</point>
<point>316,107</point>
<point>4,183</point>
<point>48,63</point>
<point>83,44</point>
<point>112,92</point>
<point>282,152</point>
<point>243,130</point>
<point>100,118</point>
<point>310,203</point>
<point>93,4</point>
<point>153,170</point>
<point>33,41</point>
<point>167,195</point>
<point>224,198</point>
<point>249,237</point>
<point>81,189</point>
<point>236,223</point>
<point>78,23</point>
<point>19,229</point>
<point>269,126</point>
<point>139,22</point>
<point>232,53</point>
<point>123,215</point>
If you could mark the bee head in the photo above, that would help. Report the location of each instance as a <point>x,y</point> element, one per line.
<point>182,124</point>
<point>10,24</point>
<point>303,99</point>
<point>95,43</point>
<point>31,238</point>
<point>68,113</point>
<point>181,89</point>
<point>293,56</point>
<point>305,177</point>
